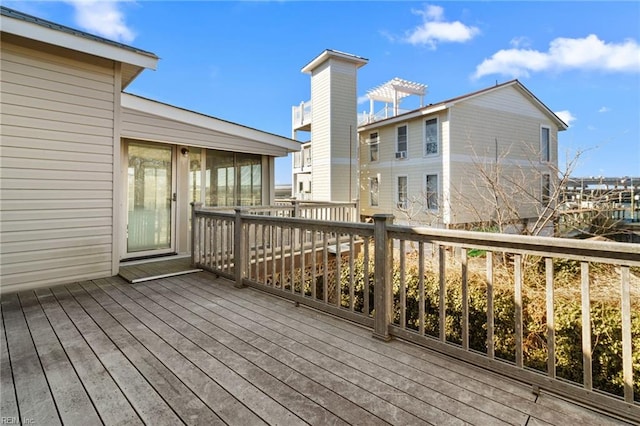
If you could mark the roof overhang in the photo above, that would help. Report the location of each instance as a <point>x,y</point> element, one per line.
<point>334,54</point>
<point>207,122</point>
<point>135,60</point>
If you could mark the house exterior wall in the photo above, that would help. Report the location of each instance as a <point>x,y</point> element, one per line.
<point>321,132</point>
<point>387,169</point>
<point>58,113</point>
<point>467,134</point>
<point>498,134</point>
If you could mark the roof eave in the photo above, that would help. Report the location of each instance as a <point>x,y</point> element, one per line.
<point>328,54</point>
<point>201,120</point>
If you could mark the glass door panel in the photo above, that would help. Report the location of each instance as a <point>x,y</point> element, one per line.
<point>149,197</point>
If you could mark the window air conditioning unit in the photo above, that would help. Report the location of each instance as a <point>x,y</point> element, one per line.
<point>401,154</point>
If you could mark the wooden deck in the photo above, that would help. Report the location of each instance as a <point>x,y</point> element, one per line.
<point>193,349</point>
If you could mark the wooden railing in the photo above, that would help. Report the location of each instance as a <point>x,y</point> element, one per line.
<point>375,274</point>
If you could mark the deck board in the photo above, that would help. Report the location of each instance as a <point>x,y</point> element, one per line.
<point>193,349</point>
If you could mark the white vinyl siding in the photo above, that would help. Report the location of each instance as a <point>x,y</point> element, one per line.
<point>57,167</point>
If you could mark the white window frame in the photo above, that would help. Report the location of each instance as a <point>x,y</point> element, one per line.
<point>437,142</point>
<point>371,193</point>
<point>374,142</point>
<point>426,195</point>
<point>545,151</point>
<point>406,143</point>
<point>406,189</point>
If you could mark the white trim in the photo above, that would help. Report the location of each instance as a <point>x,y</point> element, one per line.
<point>189,117</point>
<point>47,35</point>
<point>117,215</point>
<point>329,54</point>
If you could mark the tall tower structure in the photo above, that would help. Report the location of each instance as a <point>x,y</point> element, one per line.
<point>331,117</point>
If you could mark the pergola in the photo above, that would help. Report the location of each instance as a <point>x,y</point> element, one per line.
<point>393,91</point>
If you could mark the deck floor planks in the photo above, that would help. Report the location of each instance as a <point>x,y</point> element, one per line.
<point>178,360</point>
<point>402,407</point>
<point>332,348</point>
<point>364,397</point>
<point>145,400</point>
<point>456,383</point>
<point>321,395</point>
<point>298,403</point>
<point>492,387</point>
<point>105,394</point>
<point>242,390</point>
<point>296,358</point>
<point>8,402</point>
<point>72,402</point>
<point>33,395</point>
<point>187,404</point>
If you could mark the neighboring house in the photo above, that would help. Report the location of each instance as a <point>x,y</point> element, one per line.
<point>92,176</point>
<point>436,164</point>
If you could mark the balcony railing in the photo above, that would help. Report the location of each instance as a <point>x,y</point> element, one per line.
<point>301,115</point>
<point>386,112</point>
<point>469,295</point>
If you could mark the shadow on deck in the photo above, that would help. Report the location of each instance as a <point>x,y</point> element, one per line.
<point>193,349</point>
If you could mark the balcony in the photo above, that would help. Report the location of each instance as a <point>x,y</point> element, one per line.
<point>280,329</point>
<point>301,117</point>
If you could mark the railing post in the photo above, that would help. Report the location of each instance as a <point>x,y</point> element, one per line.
<point>238,248</point>
<point>194,232</point>
<point>296,208</point>
<point>383,287</point>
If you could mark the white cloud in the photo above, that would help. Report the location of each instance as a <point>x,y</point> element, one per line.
<point>435,29</point>
<point>589,53</point>
<point>604,109</point>
<point>103,18</point>
<point>566,116</point>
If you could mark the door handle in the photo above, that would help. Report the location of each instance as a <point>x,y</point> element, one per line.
<point>174,197</point>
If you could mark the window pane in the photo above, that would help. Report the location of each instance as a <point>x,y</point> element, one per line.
<point>373,147</point>
<point>431,137</point>
<point>220,178</point>
<point>373,191</point>
<point>402,138</point>
<point>544,144</point>
<point>546,189</point>
<point>431,188</point>
<point>402,192</point>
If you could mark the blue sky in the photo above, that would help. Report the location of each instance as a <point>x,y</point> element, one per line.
<point>241,61</point>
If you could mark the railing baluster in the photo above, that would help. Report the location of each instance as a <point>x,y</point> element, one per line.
<point>442,308</point>
<point>586,325</point>
<point>366,290</point>
<point>352,295</point>
<point>313,266</point>
<point>338,288</point>
<point>325,272</point>
<point>517,273</point>
<point>292,242</point>
<point>465,300</point>
<point>551,321</point>
<point>490,321</point>
<point>421,288</point>
<point>403,286</point>
<point>301,239</point>
<point>627,360</point>
<point>282,258</point>
<point>274,268</point>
